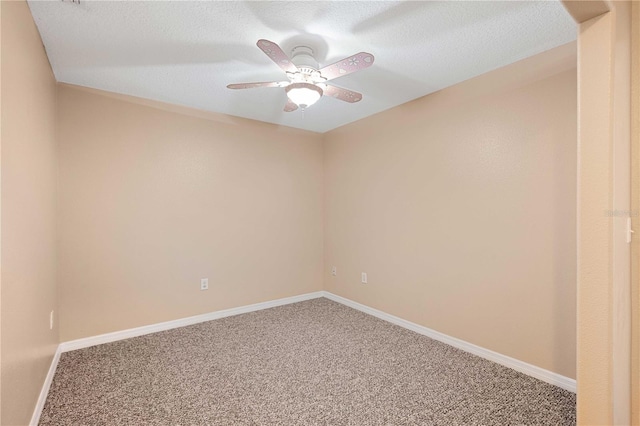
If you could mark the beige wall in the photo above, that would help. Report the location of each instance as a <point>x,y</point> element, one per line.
<point>0,216</point>
<point>28,213</point>
<point>635,206</point>
<point>595,267</point>
<point>153,198</point>
<point>461,207</point>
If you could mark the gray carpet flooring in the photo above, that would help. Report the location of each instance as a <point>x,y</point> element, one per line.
<point>310,363</point>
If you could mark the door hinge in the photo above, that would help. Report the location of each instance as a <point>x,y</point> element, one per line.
<point>629,230</point>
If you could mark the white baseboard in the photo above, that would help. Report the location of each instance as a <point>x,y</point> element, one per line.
<point>521,366</point>
<point>168,325</point>
<point>42,398</point>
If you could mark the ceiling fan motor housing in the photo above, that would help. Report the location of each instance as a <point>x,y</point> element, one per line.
<point>302,57</point>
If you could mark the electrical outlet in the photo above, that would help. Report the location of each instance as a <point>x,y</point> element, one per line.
<point>364,278</point>
<point>51,321</point>
<point>334,271</point>
<point>204,284</point>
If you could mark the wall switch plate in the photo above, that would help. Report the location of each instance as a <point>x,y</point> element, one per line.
<point>51,321</point>
<point>364,278</point>
<point>334,271</point>
<point>204,284</point>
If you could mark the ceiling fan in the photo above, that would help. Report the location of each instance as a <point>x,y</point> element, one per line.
<point>307,82</point>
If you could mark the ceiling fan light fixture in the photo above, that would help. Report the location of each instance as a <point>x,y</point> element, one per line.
<point>303,94</point>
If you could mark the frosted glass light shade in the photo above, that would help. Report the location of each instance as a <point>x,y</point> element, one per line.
<point>303,94</point>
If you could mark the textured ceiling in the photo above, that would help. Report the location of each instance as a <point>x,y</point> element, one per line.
<point>186,52</point>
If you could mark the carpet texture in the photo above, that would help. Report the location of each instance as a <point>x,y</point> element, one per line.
<point>310,363</point>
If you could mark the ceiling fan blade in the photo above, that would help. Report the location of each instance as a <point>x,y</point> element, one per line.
<point>290,106</point>
<point>348,65</point>
<point>276,54</point>
<point>342,94</point>
<point>253,85</point>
